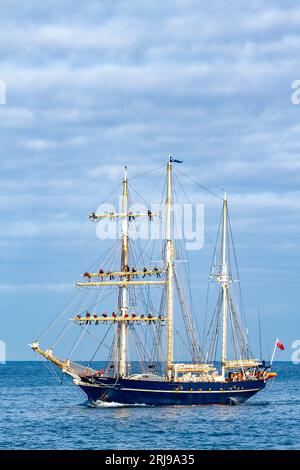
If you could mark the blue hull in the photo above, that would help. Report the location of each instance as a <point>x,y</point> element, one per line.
<point>137,392</point>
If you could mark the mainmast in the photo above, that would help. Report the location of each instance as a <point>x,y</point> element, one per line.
<point>169,259</point>
<point>122,326</point>
<point>224,281</point>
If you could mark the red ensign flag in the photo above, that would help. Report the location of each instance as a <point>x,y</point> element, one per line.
<point>280,345</point>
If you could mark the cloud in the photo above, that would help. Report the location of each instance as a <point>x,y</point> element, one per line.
<point>58,226</point>
<point>30,288</point>
<point>39,144</point>
<point>43,144</point>
<point>15,117</point>
<point>94,85</point>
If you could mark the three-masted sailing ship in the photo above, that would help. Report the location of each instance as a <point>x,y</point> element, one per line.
<point>155,377</point>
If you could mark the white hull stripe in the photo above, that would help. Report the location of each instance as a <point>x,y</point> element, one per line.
<point>189,391</point>
<point>171,391</point>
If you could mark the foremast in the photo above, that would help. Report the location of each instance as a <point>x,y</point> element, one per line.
<point>170,266</point>
<point>122,326</point>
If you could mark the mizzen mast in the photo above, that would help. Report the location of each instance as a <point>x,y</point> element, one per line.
<point>224,281</point>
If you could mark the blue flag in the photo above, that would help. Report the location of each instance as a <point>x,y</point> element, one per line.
<point>172,160</point>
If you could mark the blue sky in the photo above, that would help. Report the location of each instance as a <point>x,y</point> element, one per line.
<point>92,85</point>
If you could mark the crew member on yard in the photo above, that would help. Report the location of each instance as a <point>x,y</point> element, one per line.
<point>101,272</point>
<point>145,271</point>
<point>88,316</point>
<point>133,270</point>
<point>155,270</point>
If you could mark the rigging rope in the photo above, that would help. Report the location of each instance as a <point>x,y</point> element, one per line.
<point>196,182</point>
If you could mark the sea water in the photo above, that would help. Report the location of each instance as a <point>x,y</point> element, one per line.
<point>39,412</point>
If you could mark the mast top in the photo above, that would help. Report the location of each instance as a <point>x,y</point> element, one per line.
<point>225,197</point>
<point>173,160</point>
<point>125,172</point>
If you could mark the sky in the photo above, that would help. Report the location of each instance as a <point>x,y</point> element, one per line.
<point>93,85</point>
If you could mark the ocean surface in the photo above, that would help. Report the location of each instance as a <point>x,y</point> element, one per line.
<point>37,412</point>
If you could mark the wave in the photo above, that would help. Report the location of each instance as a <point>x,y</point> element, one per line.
<point>114,404</point>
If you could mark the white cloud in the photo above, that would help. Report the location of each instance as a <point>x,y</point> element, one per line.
<point>93,88</point>
<point>29,288</point>
<point>44,144</point>
<point>39,144</point>
<point>45,227</point>
<point>15,117</point>
<point>113,172</point>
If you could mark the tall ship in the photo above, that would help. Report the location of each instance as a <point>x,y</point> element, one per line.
<point>136,306</point>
